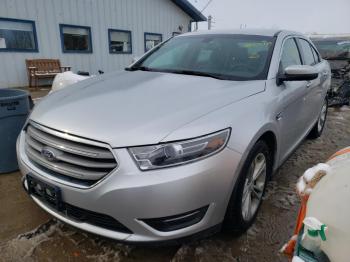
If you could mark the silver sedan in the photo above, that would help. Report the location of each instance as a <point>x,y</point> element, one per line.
<point>182,142</point>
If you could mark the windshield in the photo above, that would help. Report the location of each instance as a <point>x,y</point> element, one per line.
<point>333,48</point>
<point>230,57</point>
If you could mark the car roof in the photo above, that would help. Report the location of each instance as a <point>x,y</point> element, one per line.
<point>262,32</point>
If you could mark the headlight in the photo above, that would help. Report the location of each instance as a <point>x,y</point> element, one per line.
<point>180,152</point>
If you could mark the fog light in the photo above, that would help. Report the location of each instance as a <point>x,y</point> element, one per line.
<point>171,223</point>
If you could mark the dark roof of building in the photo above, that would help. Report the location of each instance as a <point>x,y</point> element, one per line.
<point>189,9</point>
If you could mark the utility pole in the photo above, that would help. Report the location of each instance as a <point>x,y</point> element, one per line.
<point>210,20</point>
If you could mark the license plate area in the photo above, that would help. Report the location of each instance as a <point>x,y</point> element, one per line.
<point>47,193</point>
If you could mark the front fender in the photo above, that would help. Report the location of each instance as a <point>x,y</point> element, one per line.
<point>267,128</point>
<point>248,119</point>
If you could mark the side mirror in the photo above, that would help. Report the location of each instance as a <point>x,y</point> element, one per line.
<point>297,73</point>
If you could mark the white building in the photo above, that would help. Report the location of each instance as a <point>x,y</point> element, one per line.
<point>89,35</point>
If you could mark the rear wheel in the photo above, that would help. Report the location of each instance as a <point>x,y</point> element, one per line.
<point>247,195</point>
<point>319,126</point>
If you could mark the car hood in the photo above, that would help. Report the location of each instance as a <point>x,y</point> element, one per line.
<point>137,108</point>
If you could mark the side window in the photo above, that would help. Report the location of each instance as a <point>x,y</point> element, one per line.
<point>119,41</point>
<point>151,40</point>
<point>290,54</point>
<point>316,56</point>
<point>17,35</point>
<point>308,56</point>
<point>76,39</point>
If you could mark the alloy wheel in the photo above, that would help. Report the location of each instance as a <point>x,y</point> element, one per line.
<point>322,118</point>
<point>254,187</point>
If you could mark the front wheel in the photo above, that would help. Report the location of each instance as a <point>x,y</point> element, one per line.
<point>319,126</point>
<point>247,195</point>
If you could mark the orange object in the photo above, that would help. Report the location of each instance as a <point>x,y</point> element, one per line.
<point>289,248</point>
<point>340,152</point>
<point>301,214</point>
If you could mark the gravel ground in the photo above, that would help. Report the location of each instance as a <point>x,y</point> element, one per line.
<point>29,234</point>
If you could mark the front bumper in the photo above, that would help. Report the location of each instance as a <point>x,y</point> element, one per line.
<point>129,195</point>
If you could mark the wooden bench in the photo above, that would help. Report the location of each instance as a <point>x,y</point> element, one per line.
<point>43,68</point>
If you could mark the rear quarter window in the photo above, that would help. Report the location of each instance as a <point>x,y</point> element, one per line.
<point>316,55</point>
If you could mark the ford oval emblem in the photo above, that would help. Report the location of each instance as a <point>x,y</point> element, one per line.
<point>48,153</point>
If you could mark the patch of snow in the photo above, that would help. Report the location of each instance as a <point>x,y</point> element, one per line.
<point>311,172</point>
<point>311,177</point>
<point>22,247</point>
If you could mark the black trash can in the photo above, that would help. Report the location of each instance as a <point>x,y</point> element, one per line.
<point>14,110</point>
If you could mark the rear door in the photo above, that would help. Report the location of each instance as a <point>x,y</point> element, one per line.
<point>314,88</point>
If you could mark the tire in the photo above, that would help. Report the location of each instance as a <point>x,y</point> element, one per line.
<point>237,221</point>
<point>317,130</point>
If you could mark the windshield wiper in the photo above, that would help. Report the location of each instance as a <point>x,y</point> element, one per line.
<point>183,72</point>
<point>138,68</point>
<point>198,73</point>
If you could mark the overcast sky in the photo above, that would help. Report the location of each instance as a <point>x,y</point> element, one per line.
<point>307,16</point>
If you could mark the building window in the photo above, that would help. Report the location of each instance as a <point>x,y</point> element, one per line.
<point>119,41</point>
<point>151,40</point>
<point>18,35</point>
<point>75,39</point>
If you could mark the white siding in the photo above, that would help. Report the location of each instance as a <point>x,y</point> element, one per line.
<point>138,16</point>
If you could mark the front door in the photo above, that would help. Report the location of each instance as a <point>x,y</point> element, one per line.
<point>292,94</point>
<point>314,95</point>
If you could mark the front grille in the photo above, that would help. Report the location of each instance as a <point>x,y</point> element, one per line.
<point>56,154</point>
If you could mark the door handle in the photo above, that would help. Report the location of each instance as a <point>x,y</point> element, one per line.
<point>309,83</point>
